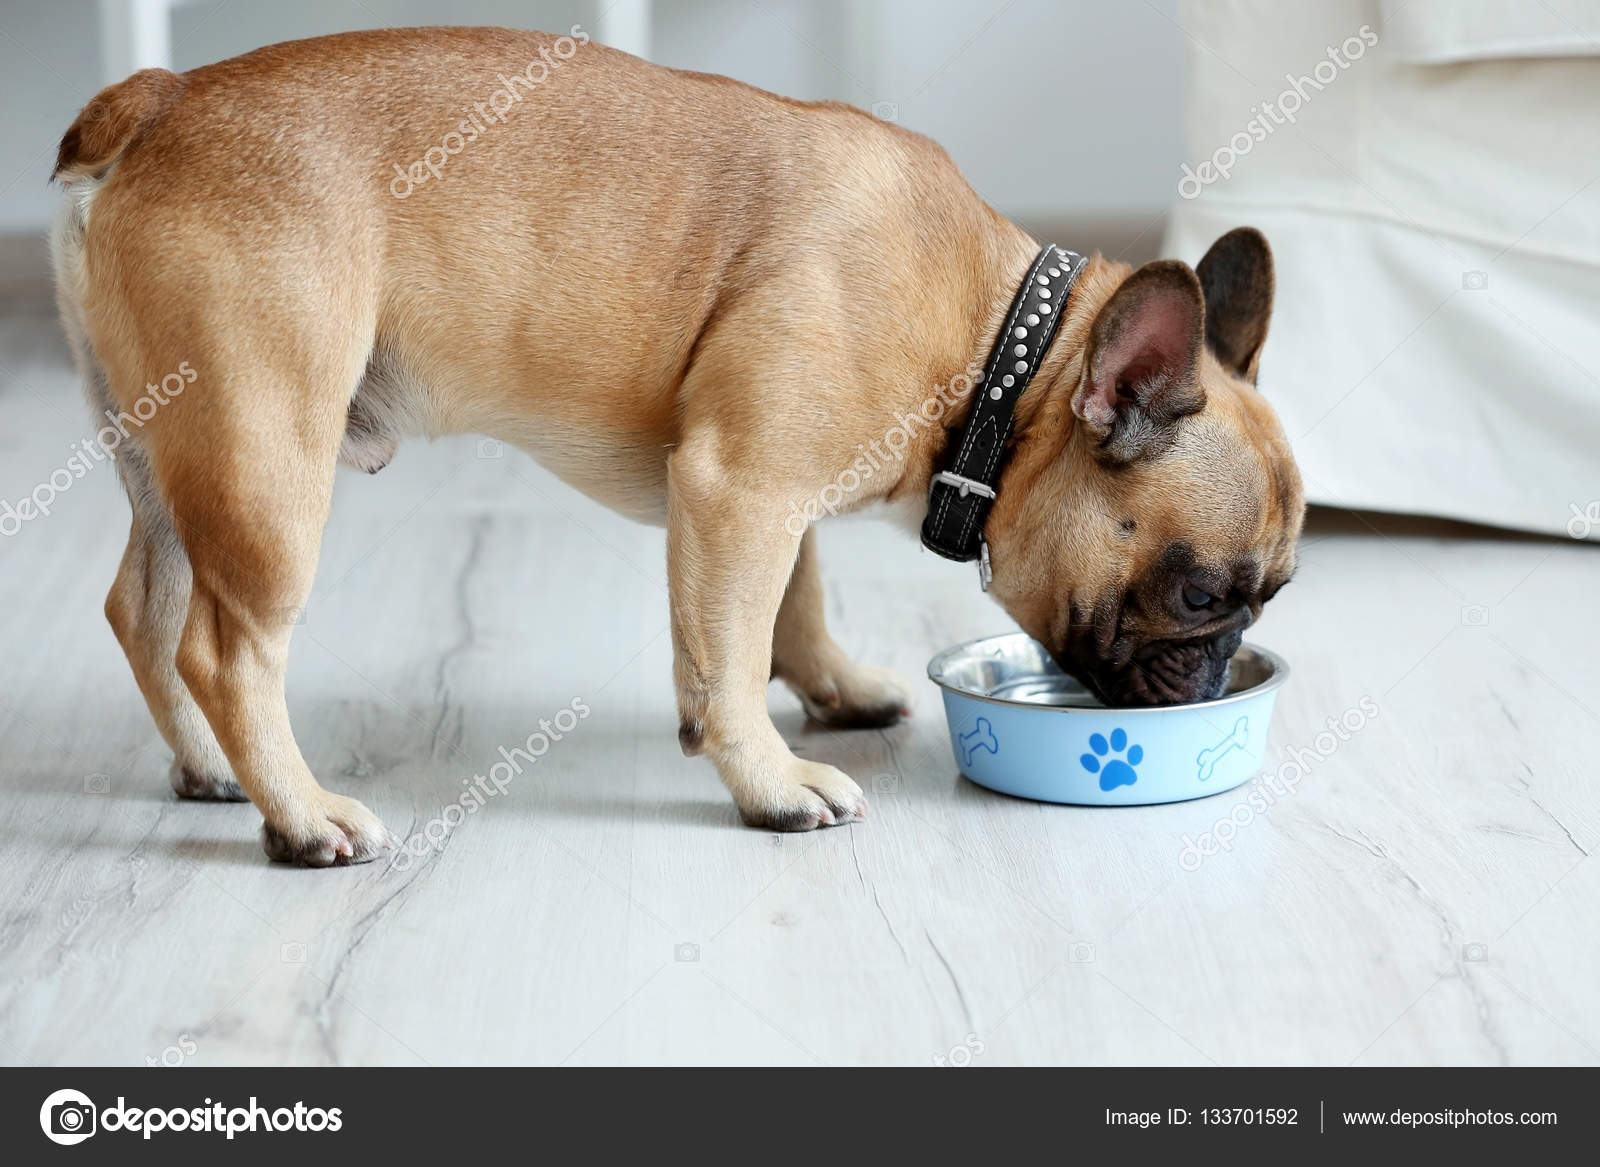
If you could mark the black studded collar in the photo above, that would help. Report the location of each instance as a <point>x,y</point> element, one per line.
<point>960,495</point>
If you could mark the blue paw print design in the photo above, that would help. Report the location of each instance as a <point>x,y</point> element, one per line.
<point>1118,771</point>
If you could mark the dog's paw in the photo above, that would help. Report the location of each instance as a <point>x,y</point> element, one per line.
<point>338,831</point>
<point>853,696</point>
<point>814,795</point>
<point>193,782</point>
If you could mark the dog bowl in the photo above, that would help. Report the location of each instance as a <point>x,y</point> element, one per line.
<point>1021,726</point>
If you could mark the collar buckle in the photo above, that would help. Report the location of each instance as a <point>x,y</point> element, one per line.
<point>964,485</point>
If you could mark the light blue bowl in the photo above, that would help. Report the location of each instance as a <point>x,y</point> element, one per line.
<point>1021,726</point>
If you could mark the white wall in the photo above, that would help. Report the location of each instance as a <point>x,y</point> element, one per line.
<point>1088,90</point>
<point>49,66</point>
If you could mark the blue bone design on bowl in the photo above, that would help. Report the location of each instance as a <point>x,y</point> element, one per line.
<point>979,737</point>
<point>1211,755</point>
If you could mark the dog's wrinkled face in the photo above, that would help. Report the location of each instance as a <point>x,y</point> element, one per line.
<point>1141,553</point>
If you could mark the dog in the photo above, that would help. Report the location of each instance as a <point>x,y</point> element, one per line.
<point>694,301</point>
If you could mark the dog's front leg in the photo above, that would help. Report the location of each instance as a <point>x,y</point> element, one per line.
<point>729,559</point>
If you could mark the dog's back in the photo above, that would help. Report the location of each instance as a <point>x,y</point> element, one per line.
<point>375,175</point>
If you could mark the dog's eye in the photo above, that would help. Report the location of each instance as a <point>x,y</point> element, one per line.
<point>1196,598</point>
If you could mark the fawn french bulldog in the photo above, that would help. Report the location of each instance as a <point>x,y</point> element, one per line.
<point>695,302</point>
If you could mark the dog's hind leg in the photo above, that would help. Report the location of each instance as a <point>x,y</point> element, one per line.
<point>147,606</point>
<point>834,689</point>
<point>243,462</point>
<point>250,502</point>
<point>149,601</point>
<point>247,317</point>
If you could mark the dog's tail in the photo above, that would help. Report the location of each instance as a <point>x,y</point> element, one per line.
<point>116,118</point>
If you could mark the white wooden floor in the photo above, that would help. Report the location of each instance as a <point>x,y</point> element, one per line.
<point>1427,893</point>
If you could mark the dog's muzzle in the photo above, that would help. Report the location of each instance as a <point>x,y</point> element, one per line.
<point>1169,672</point>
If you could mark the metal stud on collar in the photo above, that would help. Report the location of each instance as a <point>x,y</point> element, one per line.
<point>959,497</point>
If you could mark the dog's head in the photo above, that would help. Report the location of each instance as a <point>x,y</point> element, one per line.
<point>1157,506</point>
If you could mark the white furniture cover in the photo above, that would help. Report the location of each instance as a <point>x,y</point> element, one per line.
<point>1434,210</point>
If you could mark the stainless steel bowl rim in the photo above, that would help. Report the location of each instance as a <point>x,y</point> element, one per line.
<point>937,666</point>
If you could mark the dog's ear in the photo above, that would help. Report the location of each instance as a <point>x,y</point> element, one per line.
<point>1143,371</point>
<point>1236,276</point>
